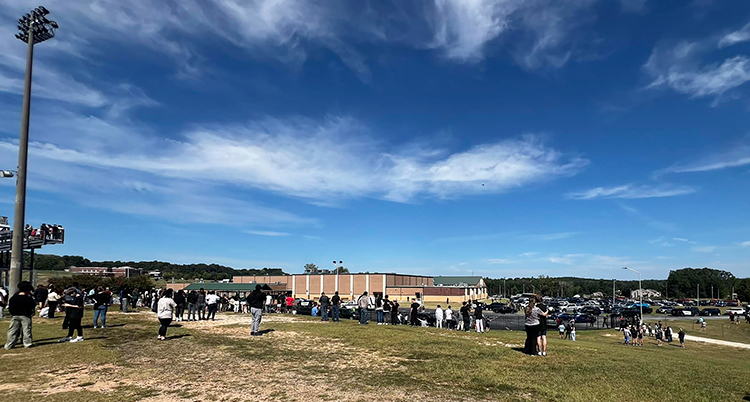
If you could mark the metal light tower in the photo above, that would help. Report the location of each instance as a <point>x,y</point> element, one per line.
<point>34,27</point>
<point>640,291</point>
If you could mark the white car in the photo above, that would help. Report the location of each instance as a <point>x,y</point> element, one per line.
<point>736,310</point>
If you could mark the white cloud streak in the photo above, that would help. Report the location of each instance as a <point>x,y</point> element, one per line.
<point>738,36</point>
<point>267,233</point>
<point>738,156</point>
<point>630,191</point>
<point>498,261</point>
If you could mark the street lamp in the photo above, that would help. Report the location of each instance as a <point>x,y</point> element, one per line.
<point>640,291</point>
<point>6,173</point>
<point>33,28</point>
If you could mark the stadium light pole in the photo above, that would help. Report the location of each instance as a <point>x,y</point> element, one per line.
<point>640,291</point>
<point>33,27</point>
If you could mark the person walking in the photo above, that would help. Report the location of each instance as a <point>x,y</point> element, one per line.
<point>325,302</point>
<point>362,303</point>
<point>681,337</point>
<point>52,298</point>
<point>255,301</point>
<point>336,307</point>
<point>21,308</point>
<point>102,300</point>
<point>180,300</point>
<point>200,304</point>
<point>439,315</point>
<point>212,304</point>
<point>164,309</point>
<point>73,304</point>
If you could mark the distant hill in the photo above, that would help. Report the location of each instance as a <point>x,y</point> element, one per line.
<point>51,262</point>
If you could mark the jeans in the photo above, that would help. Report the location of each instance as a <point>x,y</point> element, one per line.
<point>191,311</point>
<point>380,316</point>
<point>163,327</point>
<point>363,315</point>
<point>201,311</point>
<point>180,311</point>
<point>394,317</point>
<point>100,311</point>
<point>212,311</point>
<point>336,313</point>
<point>19,324</point>
<point>324,313</point>
<point>257,314</point>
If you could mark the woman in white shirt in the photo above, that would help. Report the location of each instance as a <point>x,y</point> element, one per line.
<point>164,311</point>
<point>52,298</point>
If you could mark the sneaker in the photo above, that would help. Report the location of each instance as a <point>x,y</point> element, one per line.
<point>539,353</point>
<point>95,327</point>
<point>77,339</point>
<point>544,353</point>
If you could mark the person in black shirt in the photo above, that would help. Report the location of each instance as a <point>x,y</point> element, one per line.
<point>180,300</point>
<point>465,316</point>
<point>394,312</point>
<point>102,300</point>
<point>255,301</point>
<point>386,310</point>
<point>73,314</point>
<point>21,307</point>
<point>413,312</point>
<point>336,308</point>
<point>40,295</point>
<point>479,319</point>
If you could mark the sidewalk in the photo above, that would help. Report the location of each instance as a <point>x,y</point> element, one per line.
<point>717,342</point>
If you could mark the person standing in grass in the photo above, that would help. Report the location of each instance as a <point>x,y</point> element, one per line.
<point>386,310</point>
<point>542,328</point>
<point>561,330</point>
<point>573,332</point>
<point>362,302</point>
<point>73,314</point>
<point>465,316</point>
<point>192,305</point>
<point>180,300</point>
<point>164,309</point>
<point>21,308</point>
<point>394,312</point>
<point>255,301</point>
<point>325,301</point>
<point>659,335</point>
<point>379,309</point>
<point>449,319</point>
<point>201,304</point>
<point>531,325</point>
<point>52,298</point>
<point>414,313</point>
<point>336,307</point>
<point>478,319</point>
<point>681,337</point>
<point>438,317</point>
<point>212,303</point>
<point>102,300</point>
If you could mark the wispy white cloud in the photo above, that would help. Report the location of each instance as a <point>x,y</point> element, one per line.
<point>312,237</point>
<point>528,254</point>
<point>738,36</point>
<point>684,240</point>
<point>661,241</point>
<point>745,244</point>
<point>630,191</point>
<point>268,233</point>
<point>292,158</point>
<point>737,156</point>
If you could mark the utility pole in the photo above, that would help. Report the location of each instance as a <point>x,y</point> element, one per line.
<point>698,293</point>
<point>613,292</point>
<point>34,27</point>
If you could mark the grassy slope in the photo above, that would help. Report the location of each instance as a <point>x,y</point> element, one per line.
<point>409,363</point>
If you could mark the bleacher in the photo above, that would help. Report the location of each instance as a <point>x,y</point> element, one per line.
<point>31,242</point>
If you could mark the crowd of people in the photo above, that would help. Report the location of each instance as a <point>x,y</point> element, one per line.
<point>634,334</point>
<point>44,232</point>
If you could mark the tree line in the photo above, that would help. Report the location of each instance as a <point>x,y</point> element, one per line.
<point>51,262</point>
<point>681,283</point>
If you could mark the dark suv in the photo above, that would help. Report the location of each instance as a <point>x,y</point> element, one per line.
<point>710,311</point>
<point>685,311</point>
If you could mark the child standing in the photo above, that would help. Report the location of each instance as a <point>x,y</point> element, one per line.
<point>573,332</point>
<point>561,330</point>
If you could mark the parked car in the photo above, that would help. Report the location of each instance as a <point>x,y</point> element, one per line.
<point>504,309</point>
<point>685,311</point>
<point>591,310</point>
<point>736,310</point>
<point>665,310</point>
<point>585,318</point>
<point>710,311</point>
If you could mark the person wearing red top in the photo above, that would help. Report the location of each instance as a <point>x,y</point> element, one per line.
<point>289,303</point>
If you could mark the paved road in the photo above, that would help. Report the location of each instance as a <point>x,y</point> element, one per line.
<point>717,342</point>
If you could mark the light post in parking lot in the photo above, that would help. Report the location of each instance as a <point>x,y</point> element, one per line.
<point>640,291</point>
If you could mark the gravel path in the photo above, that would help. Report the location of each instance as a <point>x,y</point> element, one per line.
<point>717,342</point>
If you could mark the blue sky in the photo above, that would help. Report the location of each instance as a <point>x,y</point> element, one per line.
<point>501,138</point>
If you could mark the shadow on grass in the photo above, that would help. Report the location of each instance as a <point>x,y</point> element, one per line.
<point>177,336</point>
<point>265,331</point>
<point>54,341</point>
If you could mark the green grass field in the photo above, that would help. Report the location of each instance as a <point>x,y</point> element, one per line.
<point>303,359</point>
